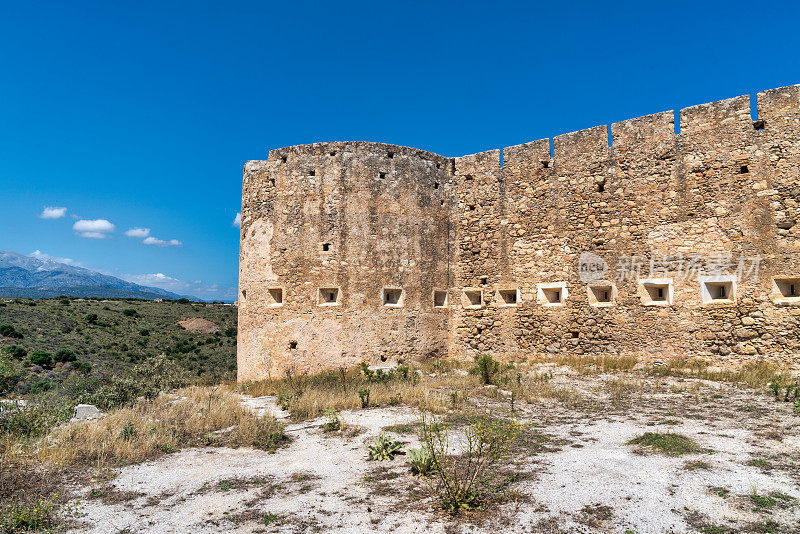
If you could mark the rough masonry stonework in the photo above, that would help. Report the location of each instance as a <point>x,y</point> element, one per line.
<point>660,244</point>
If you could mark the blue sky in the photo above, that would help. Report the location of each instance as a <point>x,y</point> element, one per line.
<point>143,114</point>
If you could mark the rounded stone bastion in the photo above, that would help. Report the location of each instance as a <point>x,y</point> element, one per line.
<point>343,248</point>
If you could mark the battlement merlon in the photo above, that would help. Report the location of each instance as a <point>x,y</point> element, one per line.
<point>648,129</point>
<point>481,164</point>
<point>528,158</point>
<point>581,150</point>
<point>781,105</point>
<point>723,115</point>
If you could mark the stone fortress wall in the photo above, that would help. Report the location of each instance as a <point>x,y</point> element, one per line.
<point>660,244</point>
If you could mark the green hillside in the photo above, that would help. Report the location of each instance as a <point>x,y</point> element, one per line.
<point>112,336</point>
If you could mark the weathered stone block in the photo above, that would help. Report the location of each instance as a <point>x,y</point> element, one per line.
<point>84,412</point>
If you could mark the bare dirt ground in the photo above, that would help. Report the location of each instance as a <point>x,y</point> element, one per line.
<point>576,473</point>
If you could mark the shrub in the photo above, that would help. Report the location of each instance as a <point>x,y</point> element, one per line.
<point>486,367</point>
<point>83,367</point>
<point>7,330</point>
<point>64,355</point>
<point>420,460</point>
<point>91,318</point>
<point>464,481</point>
<point>363,394</point>
<point>382,377</point>
<point>30,516</point>
<point>231,331</point>
<point>383,448</point>
<point>41,357</point>
<point>129,312</point>
<point>332,422</point>
<point>15,351</point>
<point>128,432</point>
<point>285,400</point>
<point>776,388</point>
<point>32,419</point>
<point>403,371</point>
<point>40,386</point>
<point>146,379</point>
<point>266,435</point>
<point>9,374</point>
<point>367,372</point>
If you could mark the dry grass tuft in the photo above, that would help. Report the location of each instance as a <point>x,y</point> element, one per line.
<point>29,493</point>
<point>756,374</point>
<point>533,387</point>
<point>192,416</point>
<point>308,396</point>
<point>597,364</point>
<point>696,464</point>
<point>622,389</point>
<point>439,386</point>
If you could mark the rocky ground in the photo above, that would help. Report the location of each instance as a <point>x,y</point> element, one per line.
<point>580,474</point>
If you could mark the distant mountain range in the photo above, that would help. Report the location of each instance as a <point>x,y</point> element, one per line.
<point>29,277</point>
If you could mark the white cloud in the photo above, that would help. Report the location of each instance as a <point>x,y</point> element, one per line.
<point>50,212</point>
<point>237,221</point>
<point>138,232</point>
<point>93,228</point>
<point>160,242</point>
<point>147,239</point>
<point>157,278</point>
<point>93,235</point>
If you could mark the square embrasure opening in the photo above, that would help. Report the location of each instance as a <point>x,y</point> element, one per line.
<point>656,292</point>
<point>392,297</point>
<point>720,290</point>
<point>473,298</point>
<point>328,296</point>
<point>508,297</point>
<point>439,299</point>
<point>325,246</point>
<point>552,294</point>
<point>275,296</point>
<point>601,295</point>
<point>787,288</point>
